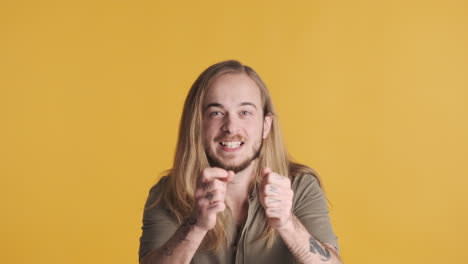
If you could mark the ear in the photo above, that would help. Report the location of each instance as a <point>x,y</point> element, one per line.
<point>267,120</point>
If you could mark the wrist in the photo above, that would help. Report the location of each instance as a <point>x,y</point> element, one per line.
<point>191,223</point>
<point>287,225</point>
<point>199,229</point>
<point>198,226</point>
<point>195,233</point>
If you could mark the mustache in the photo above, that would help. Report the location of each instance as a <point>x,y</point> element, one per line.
<point>231,138</point>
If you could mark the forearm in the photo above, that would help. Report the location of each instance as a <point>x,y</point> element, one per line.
<point>180,248</point>
<point>304,247</point>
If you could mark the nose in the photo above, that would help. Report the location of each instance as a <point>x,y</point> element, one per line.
<point>230,125</point>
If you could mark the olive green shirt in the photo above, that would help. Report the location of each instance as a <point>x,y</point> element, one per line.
<point>309,206</point>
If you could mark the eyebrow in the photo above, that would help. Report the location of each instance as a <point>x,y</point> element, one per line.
<point>212,105</point>
<point>248,103</point>
<point>221,106</point>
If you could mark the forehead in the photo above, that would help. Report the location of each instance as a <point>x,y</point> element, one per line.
<point>233,88</point>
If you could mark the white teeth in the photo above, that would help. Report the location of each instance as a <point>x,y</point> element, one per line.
<point>231,144</point>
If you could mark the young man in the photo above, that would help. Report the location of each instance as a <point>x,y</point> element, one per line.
<point>233,195</point>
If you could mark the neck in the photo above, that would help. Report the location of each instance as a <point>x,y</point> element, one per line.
<point>237,191</point>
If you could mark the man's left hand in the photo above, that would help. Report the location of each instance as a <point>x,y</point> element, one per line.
<point>276,197</point>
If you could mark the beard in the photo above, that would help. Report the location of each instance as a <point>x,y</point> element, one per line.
<point>215,162</point>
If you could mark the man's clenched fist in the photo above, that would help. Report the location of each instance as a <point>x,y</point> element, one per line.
<point>276,197</point>
<point>209,196</point>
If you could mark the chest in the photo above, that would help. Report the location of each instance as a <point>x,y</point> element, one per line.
<point>244,245</point>
<point>239,213</point>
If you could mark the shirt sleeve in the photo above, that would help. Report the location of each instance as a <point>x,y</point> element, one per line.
<point>158,225</point>
<point>310,207</point>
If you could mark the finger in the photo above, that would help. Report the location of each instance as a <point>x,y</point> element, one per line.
<point>275,178</point>
<point>265,171</point>
<point>206,185</point>
<point>269,177</point>
<point>202,205</point>
<point>199,193</point>
<point>216,207</point>
<point>265,175</point>
<point>271,190</point>
<point>209,174</point>
<point>203,185</point>
<point>230,177</point>
<point>217,185</point>
<point>272,202</point>
<point>206,204</point>
<point>202,189</point>
<point>214,197</point>
<point>273,213</point>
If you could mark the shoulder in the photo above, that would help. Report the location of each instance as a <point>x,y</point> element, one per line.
<point>300,174</point>
<point>158,186</point>
<point>307,192</point>
<point>156,192</point>
<point>303,177</point>
<point>155,210</point>
<point>305,181</point>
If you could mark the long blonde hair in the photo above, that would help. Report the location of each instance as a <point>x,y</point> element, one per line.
<point>190,157</point>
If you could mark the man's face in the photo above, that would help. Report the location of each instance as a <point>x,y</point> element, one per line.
<point>233,122</point>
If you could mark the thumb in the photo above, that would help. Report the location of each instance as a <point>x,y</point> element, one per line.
<point>265,172</point>
<point>230,176</point>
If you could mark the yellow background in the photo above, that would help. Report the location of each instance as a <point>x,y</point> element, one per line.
<point>372,94</point>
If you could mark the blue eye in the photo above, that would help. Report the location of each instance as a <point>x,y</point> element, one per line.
<point>245,113</point>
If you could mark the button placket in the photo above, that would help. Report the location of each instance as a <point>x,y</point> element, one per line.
<point>251,211</point>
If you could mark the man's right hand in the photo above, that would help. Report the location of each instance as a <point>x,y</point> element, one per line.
<point>210,196</point>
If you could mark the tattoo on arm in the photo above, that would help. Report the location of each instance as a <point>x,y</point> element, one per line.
<point>316,248</point>
<point>179,236</point>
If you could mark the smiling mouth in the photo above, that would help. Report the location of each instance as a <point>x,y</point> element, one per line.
<point>231,144</point>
